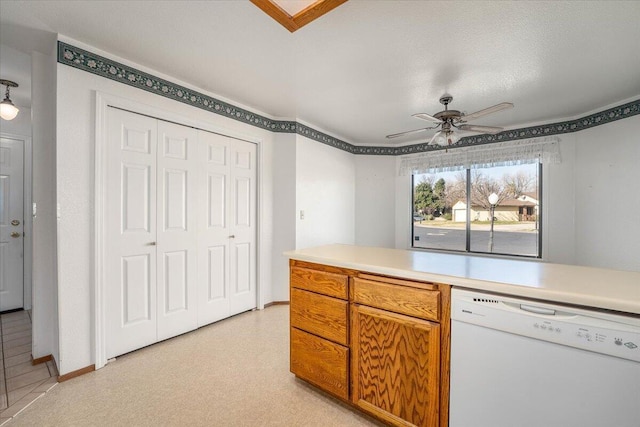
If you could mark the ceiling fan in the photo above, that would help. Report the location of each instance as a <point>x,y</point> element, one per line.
<point>448,120</point>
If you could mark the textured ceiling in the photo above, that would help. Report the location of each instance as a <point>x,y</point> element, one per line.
<point>360,71</point>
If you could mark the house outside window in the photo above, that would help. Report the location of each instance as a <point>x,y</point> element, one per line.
<point>453,210</point>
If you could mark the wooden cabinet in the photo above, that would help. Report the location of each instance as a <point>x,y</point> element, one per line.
<point>395,372</point>
<point>319,317</point>
<point>380,343</point>
<point>396,350</point>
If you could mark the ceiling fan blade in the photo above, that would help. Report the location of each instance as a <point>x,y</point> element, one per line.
<point>489,110</point>
<point>409,132</point>
<point>427,117</point>
<point>484,129</point>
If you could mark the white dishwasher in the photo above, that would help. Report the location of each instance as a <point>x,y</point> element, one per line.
<point>522,363</point>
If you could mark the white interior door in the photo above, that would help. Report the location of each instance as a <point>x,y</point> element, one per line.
<point>180,227</point>
<point>176,235</point>
<point>243,227</point>
<point>226,227</point>
<point>11,224</point>
<point>130,294</point>
<point>213,228</point>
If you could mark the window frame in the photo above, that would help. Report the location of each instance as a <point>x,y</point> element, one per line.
<point>467,249</point>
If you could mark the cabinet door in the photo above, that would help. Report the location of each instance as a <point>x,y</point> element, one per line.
<point>321,362</point>
<point>395,373</point>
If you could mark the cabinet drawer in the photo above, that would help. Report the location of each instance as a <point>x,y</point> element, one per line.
<point>320,362</point>
<point>321,282</point>
<point>416,302</point>
<point>320,315</point>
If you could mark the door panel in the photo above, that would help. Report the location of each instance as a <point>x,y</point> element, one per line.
<point>243,256</point>
<point>136,289</point>
<point>217,269</point>
<point>11,224</point>
<point>177,281</point>
<point>175,200</point>
<point>243,202</point>
<point>213,228</point>
<point>217,200</point>
<point>136,198</point>
<point>130,222</point>
<point>243,260</point>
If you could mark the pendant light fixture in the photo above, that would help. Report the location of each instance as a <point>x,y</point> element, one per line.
<point>8,111</point>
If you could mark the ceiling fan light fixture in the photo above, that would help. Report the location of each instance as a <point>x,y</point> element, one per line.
<point>444,138</point>
<point>8,111</point>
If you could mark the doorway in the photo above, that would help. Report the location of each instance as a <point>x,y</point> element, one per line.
<point>15,223</point>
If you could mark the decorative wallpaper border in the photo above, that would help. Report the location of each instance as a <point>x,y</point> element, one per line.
<point>113,70</point>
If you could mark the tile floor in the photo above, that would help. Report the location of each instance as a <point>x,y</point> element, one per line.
<point>21,383</point>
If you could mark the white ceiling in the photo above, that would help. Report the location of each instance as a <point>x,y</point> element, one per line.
<point>360,71</point>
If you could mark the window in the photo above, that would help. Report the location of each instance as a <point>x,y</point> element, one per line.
<point>482,210</point>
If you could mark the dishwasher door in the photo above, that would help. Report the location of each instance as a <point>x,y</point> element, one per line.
<point>521,379</point>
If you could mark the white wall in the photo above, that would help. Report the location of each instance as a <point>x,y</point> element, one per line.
<point>591,208</point>
<point>607,195</point>
<point>591,202</point>
<point>43,103</point>
<point>75,178</point>
<point>325,191</point>
<point>375,214</point>
<point>558,205</point>
<point>284,212</point>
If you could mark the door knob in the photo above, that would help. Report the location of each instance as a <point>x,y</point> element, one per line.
<point>232,236</point>
<point>15,222</point>
<point>15,234</point>
<point>152,244</point>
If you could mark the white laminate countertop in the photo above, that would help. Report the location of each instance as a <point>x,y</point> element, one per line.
<point>571,284</point>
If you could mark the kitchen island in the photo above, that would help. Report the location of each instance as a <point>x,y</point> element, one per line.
<point>372,326</point>
<point>570,284</point>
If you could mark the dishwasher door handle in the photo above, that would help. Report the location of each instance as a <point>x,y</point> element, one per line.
<point>537,310</point>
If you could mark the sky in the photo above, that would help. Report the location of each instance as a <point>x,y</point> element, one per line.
<point>495,172</point>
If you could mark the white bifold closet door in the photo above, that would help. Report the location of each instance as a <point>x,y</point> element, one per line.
<point>227,227</point>
<point>130,222</point>
<point>180,230</point>
<point>176,230</point>
<point>151,231</point>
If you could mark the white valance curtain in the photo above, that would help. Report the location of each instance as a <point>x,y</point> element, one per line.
<point>545,150</point>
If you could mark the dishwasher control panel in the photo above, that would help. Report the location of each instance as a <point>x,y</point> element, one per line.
<point>606,333</point>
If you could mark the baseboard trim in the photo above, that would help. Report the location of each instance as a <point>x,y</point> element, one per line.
<point>269,304</point>
<point>39,360</point>
<point>76,373</point>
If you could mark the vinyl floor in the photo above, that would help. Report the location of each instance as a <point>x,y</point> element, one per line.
<point>232,373</point>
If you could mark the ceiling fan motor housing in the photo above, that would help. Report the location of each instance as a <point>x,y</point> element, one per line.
<point>448,115</point>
